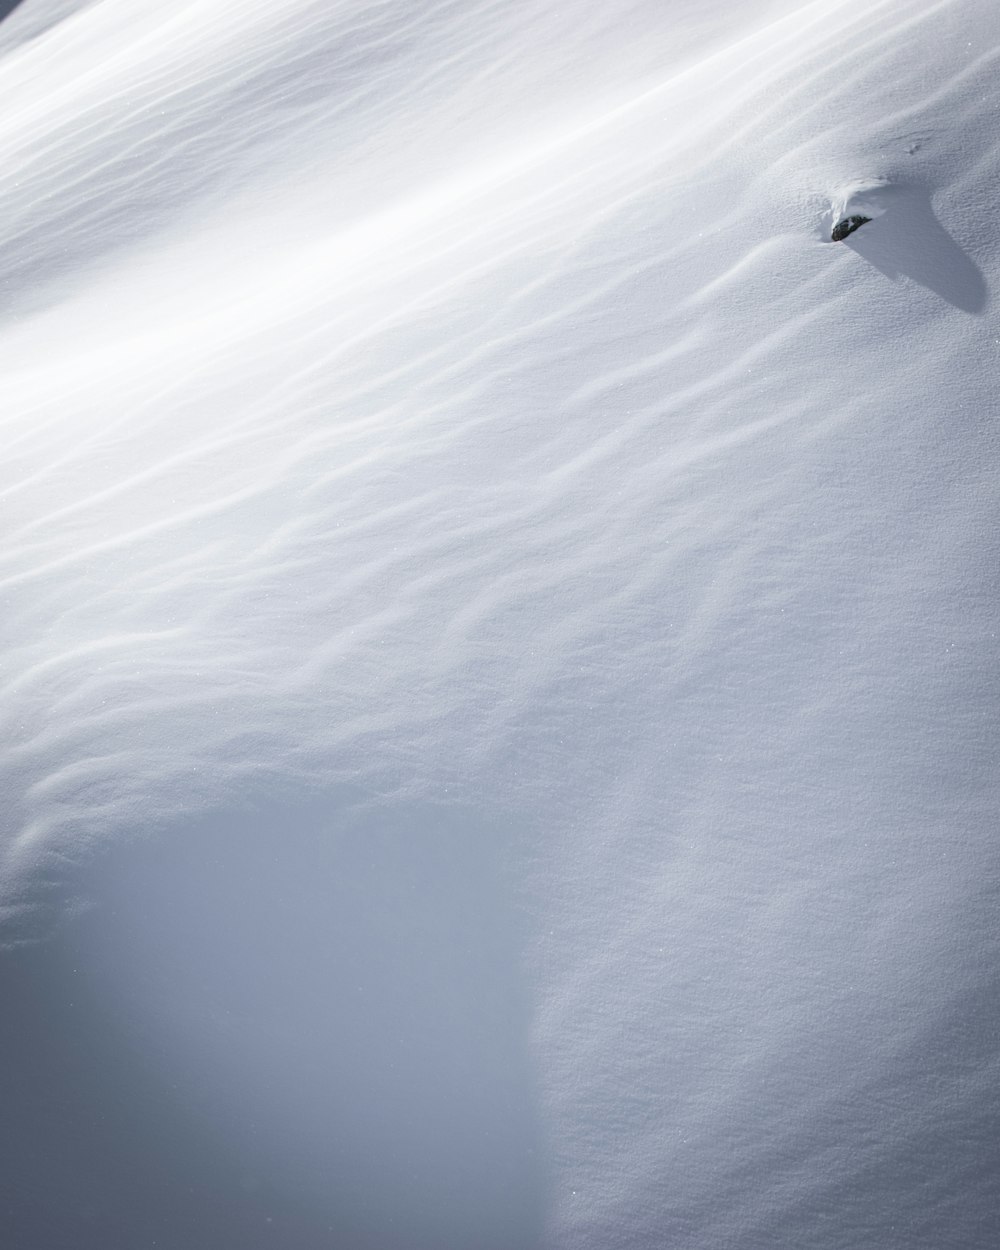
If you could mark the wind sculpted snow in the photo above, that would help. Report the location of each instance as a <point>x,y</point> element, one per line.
<point>454,417</point>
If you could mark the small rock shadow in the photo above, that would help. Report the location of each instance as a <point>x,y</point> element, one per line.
<point>907,239</point>
<point>7,7</point>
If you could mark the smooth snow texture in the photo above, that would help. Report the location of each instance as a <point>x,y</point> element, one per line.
<point>451,421</point>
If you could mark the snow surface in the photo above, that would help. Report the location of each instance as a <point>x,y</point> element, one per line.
<point>499,624</point>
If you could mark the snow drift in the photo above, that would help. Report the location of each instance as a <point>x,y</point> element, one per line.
<point>447,429</point>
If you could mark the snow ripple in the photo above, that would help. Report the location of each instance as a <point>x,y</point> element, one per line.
<point>366,434</point>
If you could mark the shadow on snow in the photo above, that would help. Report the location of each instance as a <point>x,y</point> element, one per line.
<point>278,1031</point>
<point>908,240</point>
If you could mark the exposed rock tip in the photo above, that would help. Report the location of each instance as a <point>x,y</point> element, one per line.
<point>847,226</point>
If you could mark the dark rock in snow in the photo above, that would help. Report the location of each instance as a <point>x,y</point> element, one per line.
<point>847,226</point>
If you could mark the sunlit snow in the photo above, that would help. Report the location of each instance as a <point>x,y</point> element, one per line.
<point>499,624</point>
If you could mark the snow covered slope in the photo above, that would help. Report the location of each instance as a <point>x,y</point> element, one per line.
<point>499,623</point>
